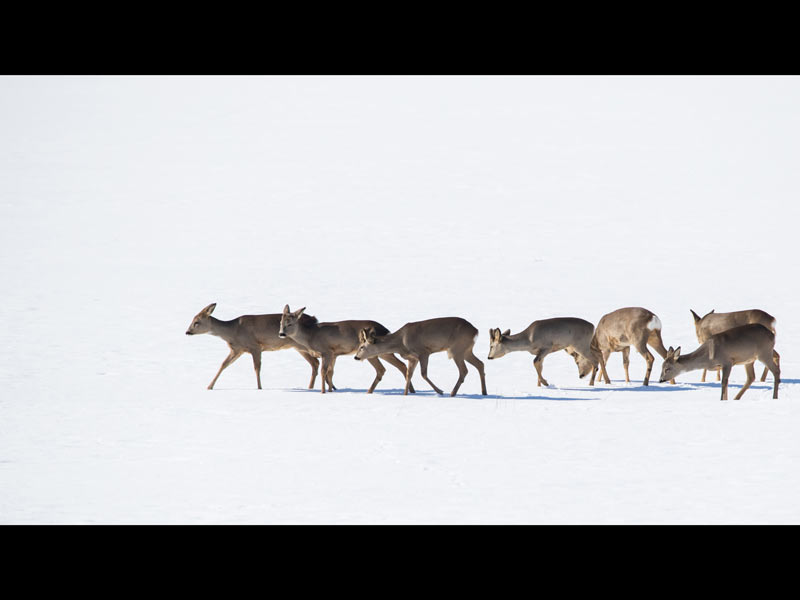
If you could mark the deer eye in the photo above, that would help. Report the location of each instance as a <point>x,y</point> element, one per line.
<point>196,324</point>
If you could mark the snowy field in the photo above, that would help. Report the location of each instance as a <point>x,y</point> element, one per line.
<point>127,204</point>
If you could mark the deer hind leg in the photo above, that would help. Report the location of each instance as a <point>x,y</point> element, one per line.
<point>641,348</point>
<point>726,373</point>
<point>626,361</point>
<point>657,344</point>
<point>379,371</point>
<point>412,364</point>
<point>257,366</point>
<point>225,364</point>
<point>423,369</point>
<point>393,360</point>
<point>478,364</point>
<point>774,366</point>
<point>750,369</point>
<point>314,367</point>
<point>537,363</point>
<point>776,358</point>
<point>462,373</point>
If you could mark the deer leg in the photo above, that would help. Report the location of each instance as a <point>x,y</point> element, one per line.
<point>776,359</point>
<point>774,366</point>
<point>751,377</point>
<point>423,369</point>
<point>462,373</point>
<point>379,371</point>
<point>412,364</point>
<point>626,361</point>
<point>478,364</point>
<point>703,378</point>
<point>329,376</point>
<point>641,348</point>
<point>325,367</point>
<point>314,367</point>
<point>726,373</point>
<point>718,371</point>
<point>257,366</point>
<point>225,364</point>
<point>537,363</point>
<point>393,360</point>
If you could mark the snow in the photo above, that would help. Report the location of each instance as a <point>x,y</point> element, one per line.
<point>127,204</point>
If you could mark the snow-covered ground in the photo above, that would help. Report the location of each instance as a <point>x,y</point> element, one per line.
<point>127,204</point>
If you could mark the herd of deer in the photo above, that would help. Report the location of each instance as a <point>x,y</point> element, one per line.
<point>726,339</point>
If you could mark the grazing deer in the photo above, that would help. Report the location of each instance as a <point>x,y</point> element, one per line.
<point>248,333</point>
<point>738,346</point>
<point>714,323</point>
<point>633,326</point>
<point>330,340</point>
<point>550,335</point>
<point>417,341</point>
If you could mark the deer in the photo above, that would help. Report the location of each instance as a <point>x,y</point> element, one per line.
<point>542,337</point>
<point>632,326</point>
<point>737,346</point>
<point>330,340</point>
<point>248,333</point>
<point>417,341</point>
<point>714,322</point>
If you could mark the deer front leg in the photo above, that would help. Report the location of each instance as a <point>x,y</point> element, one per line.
<point>537,363</point>
<point>379,371</point>
<point>726,373</point>
<point>225,364</point>
<point>393,360</point>
<point>423,369</point>
<point>257,365</point>
<point>603,361</point>
<point>314,367</point>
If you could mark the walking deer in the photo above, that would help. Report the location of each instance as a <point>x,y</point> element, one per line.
<point>738,346</point>
<point>248,333</point>
<point>417,341</point>
<point>550,335</point>
<point>714,322</point>
<point>330,340</point>
<point>633,326</point>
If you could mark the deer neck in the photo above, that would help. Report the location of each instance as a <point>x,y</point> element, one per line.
<point>698,359</point>
<point>224,329</point>
<point>391,343</point>
<point>517,342</point>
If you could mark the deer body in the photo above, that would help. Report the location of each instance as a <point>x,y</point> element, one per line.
<point>633,326</point>
<point>550,335</point>
<point>418,340</point>
<point>740,345</point>
<point>327,341</point>
<point>714,322</point>
<point>248,333</point>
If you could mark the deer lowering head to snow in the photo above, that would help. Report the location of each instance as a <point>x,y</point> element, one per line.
<point>633,326</point>
<point>417,341</point>
<point>329,340</point>
<point>714,322</point>
<point>249,333</point>
<point>550,335</point>
<point>738,346</point>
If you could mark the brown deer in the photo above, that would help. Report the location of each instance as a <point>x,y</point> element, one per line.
<point>248,333</point>
<point>550,335</point>
<point>633,326</point>
<point>330,340</point>
<point>417,341</point>
<point>738,346</point>
<point>714,322</point>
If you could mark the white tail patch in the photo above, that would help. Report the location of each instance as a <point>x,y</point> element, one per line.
<point>654,324</point>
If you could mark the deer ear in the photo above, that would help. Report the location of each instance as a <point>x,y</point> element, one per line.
<point>695,315</point>
<point>677,353</point>
<point>286,310</point>
<point>670,351</point>
<point>362,335</point>
<point>495,334</point>
<point>299,312</point>
<point>507,332</point>
<point>210,308</point>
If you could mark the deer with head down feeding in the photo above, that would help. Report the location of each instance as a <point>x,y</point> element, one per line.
<point>738,346</point>
<point>714,322</point>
